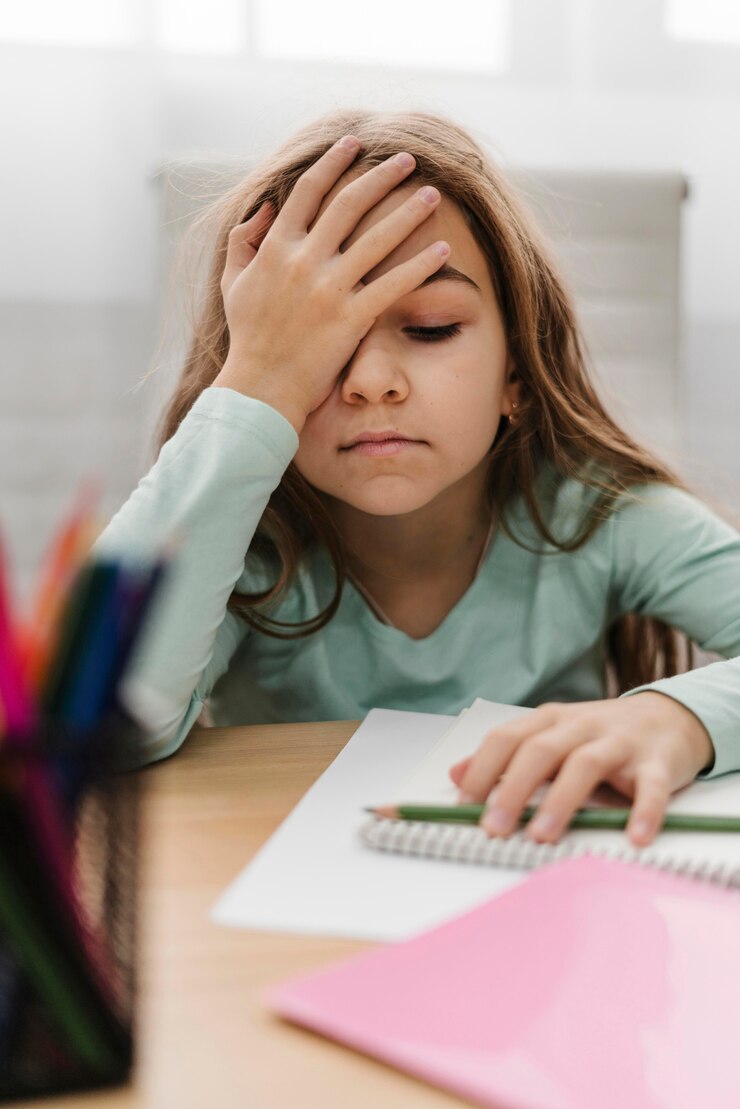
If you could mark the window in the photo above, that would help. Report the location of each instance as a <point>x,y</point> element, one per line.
<point>430,34</point>
<point>202,26</point>
<point>72,23</point>
<point>709,21</point>
<point>467,35</point>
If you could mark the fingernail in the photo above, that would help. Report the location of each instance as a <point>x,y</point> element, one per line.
<point>497,821</point>
<point>349,142</point>
<point>429,194</point>
<point>464,798</point>
<point>641,829</point>
<point>542,825</point>
<point>404,160</point>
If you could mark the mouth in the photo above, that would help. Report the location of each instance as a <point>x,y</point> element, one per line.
<point>380,444</point>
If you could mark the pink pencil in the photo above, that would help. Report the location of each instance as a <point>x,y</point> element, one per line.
<point>18,709</point>
<point>21,720</point>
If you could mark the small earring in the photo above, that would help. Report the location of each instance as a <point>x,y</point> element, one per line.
<point>512,421</point>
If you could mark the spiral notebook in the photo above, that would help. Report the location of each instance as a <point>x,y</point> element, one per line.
<point>714,856</point>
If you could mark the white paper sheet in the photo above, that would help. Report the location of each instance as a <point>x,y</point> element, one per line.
<point>314,876</point>
<point>429,780</point>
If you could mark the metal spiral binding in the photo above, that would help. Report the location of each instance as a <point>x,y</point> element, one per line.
<point>470,844</point>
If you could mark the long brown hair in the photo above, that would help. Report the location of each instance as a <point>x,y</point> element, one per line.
<point>561,421</point>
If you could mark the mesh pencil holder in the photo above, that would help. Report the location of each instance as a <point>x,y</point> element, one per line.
<point>69,857</point>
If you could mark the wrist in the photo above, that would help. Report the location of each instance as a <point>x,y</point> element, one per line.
<point>238,377</point>
<point>696,738</point>
<point>701,748</point>
<point>701,743</point>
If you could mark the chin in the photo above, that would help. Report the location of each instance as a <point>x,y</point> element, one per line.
<point>387,502</point>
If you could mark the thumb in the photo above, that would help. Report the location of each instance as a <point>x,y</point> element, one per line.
<point>244,241</point>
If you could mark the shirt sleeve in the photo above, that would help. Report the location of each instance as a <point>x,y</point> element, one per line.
<point>675,559</point>
<point>207,490</point>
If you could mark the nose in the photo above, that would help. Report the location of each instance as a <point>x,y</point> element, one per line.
<point>373,375</point>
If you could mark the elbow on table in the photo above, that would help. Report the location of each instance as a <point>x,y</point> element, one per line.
<point>165,724</point>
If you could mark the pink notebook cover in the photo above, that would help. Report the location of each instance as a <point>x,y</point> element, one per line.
<point>591,983</point>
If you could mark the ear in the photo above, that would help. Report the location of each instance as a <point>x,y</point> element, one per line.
<point>512,389</point>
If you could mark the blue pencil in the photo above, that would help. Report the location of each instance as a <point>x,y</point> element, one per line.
<point>136,602</point>
<point>82,696</point>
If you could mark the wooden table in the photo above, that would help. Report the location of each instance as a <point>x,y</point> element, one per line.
<point>205,1037</point>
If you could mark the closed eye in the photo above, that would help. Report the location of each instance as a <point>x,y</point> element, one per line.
<point>434,334</point>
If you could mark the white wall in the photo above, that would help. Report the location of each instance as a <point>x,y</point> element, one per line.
<point>593,83</point>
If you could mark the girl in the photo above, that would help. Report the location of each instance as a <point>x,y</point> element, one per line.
<point>395,486</point>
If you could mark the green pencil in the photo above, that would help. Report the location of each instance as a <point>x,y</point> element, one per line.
<point>582,818</point>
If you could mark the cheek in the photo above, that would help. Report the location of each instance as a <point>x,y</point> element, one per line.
<point>470,406</point>
<point>311,455</point>
<point>303,458</point>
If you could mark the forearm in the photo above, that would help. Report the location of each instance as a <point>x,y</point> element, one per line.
<point>208,489</point>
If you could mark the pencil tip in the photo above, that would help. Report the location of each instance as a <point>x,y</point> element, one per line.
<point>383,810</point>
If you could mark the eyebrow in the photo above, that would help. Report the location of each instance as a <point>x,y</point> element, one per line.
<point>448,273</point>
<point>444,273</point>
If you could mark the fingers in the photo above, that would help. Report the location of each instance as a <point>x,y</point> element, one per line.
<point>379,241</point>
<point>456,772</point>
<point>490,760</point>
<point>533,763</point>
<point>312,186</point>
<point>577,780</point>
<point>581,772</point>
<point>355,200</point>
<point>244,241</point>
<point>652,791</point>
<point>584,745</point>
<point>347,208</point>
<point>402,279</point>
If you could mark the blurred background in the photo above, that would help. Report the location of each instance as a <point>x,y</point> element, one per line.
<point>121,117</point>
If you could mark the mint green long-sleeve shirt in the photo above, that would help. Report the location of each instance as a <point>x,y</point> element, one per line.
<point>530,628</point>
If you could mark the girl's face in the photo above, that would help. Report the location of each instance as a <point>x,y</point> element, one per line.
<point>443,393</point>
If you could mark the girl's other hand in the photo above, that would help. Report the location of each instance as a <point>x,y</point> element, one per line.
<point>645,746</point>
<point>295,306</point>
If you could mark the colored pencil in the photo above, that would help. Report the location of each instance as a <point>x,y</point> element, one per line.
<point>138,591</point>
<point>78,614</point>
<point>19,712</point>
<point>582,818</point>
<point>60,719</point>
<point>67,551</point>
<point>86,686</point>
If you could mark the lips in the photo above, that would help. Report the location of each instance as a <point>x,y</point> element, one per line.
<point>378,437</point>
<point>381,445</point>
